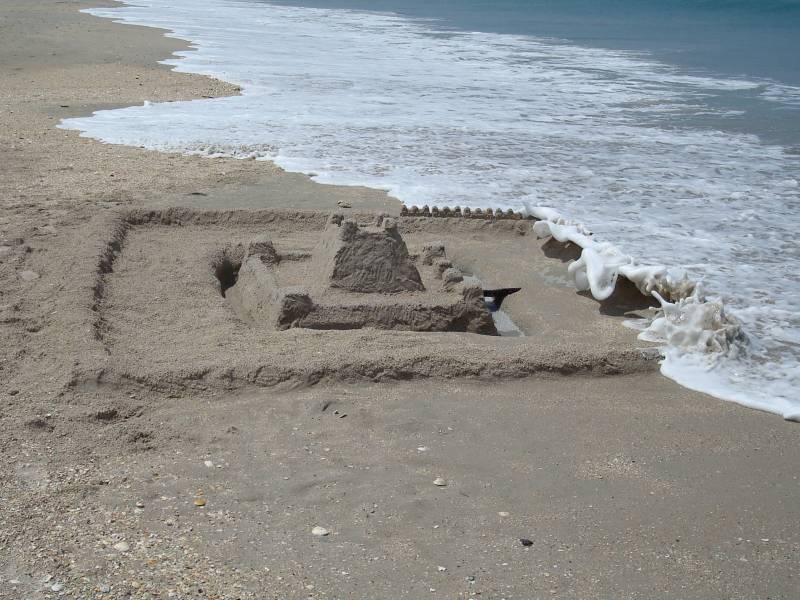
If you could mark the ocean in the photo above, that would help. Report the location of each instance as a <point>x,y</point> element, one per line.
<point>670,129</point>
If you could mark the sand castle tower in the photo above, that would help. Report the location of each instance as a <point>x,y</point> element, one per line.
<point>365,259</point>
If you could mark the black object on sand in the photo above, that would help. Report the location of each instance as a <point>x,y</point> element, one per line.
<point>494,298</point>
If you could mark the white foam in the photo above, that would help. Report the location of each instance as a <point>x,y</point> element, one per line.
<point>782,94</point>
<point>477,119</point>
<point>705,349</point>
<point>601,263</point>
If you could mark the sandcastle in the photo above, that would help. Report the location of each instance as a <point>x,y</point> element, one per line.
<point>358,276</point>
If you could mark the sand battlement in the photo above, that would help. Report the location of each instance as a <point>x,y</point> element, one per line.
<point>466,212</point>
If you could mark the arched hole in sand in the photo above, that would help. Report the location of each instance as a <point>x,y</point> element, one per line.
<point>227,273</point>
<point>225,265</point>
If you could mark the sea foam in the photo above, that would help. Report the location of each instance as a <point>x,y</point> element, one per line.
<point>607,138</point>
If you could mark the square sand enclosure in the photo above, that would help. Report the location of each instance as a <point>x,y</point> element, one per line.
<point>191,298</point>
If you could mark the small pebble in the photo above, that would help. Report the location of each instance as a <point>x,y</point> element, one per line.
<point>140,504</point>
<point>122,546</point>
<point>320,531</point>
<point>525,542</point>
<point>57,587</point>
<point>442,569</point>
<point>104,588</point>
<point>503,513</point>
<point>439,481</point>
<point>208,463</point>
<point>199,501</point>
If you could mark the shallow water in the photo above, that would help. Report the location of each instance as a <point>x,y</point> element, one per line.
<point>664,160</point>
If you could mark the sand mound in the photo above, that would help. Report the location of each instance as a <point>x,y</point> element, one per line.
<point>367,259</point>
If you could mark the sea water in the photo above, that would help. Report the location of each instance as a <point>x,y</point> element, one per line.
<point>669,129</point>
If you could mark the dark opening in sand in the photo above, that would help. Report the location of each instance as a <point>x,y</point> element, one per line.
<point>226,270</point>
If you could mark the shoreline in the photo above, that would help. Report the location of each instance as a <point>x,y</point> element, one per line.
<point>118,482</point>
<point>114,82</point>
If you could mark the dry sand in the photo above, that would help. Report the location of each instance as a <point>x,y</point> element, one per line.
<point>151,444</point>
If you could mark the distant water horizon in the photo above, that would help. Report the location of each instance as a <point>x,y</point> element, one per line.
<point>669,128</point>
<point>757,40</point>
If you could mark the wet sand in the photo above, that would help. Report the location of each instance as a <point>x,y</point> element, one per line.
<point>627,485</point>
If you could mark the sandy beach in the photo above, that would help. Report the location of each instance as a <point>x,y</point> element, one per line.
<point>153,445</point>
